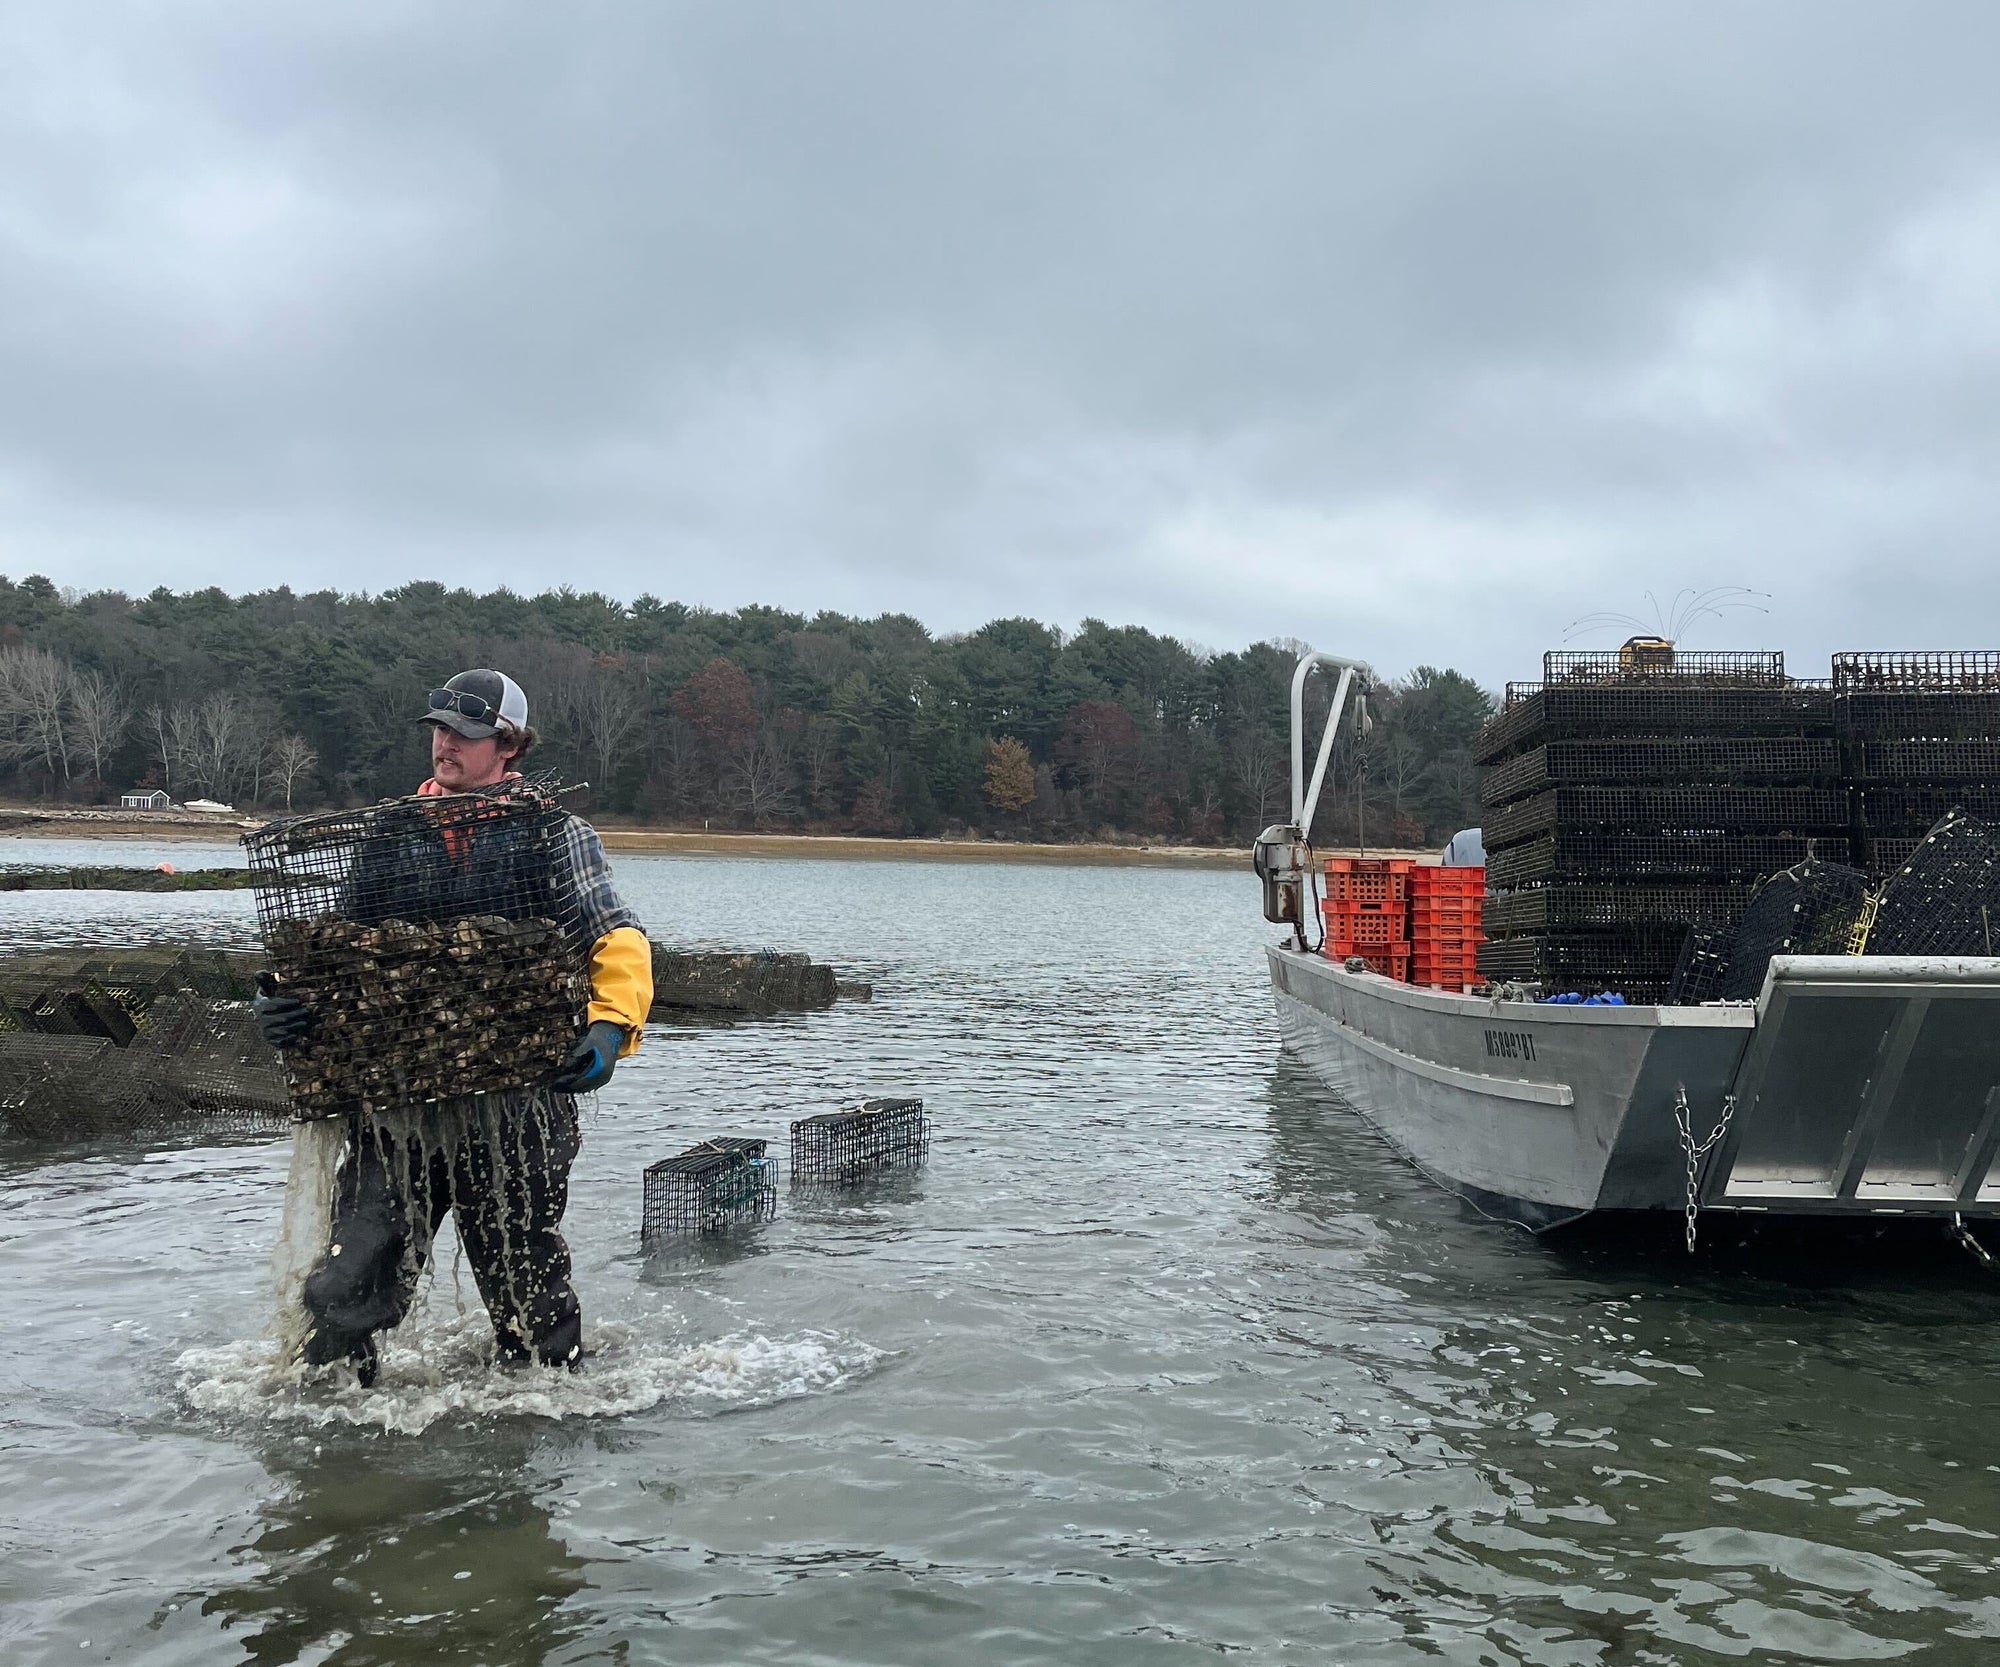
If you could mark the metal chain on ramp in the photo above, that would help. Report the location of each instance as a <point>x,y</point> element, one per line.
<point>1696,1151</point>
<point>1972,1247</point>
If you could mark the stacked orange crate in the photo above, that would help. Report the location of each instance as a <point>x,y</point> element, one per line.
<point>1445,905</point>
<point>1367,912</point>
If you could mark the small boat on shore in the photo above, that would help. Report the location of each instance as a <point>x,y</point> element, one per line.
<point>1852,1086</point>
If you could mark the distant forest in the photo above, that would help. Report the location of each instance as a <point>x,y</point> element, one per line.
<point>679,716</point>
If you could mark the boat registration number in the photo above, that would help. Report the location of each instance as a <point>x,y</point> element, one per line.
<point>1510,1044</point>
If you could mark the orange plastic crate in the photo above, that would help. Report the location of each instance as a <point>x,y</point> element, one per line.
<point>1394,963</point>
<point>1367,926</point>
<point>1431,880</point>
<point>1431,909</point>
<point>1453,898</point>
<point>1368,879</point>
<point>1444,934</point>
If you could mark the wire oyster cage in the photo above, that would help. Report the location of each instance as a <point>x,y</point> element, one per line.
<point>1681,761</point>
<point>1945,900</point>
<point>1661,707</point>
<point>133,1042</point>
<point>1671,810</point>
<point>1810,909</point>
<point>840,1147</point>
<point>1910,670</point>
<point>1611,665</point>
<point>713,1185</point>
<point>1702,967</point>
<point>437,942</point>
<point>1665,857</point>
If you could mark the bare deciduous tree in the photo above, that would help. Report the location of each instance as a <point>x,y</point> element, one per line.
<point>181,740</point>
<point>607,709</point>
<point>291,756</point>
<point>1398,764</point>
<point>221,743</point>
<point>820,761</point>
<point>35,711</point>
<point>759,773</point>
<point>103,716</point>
<point>1255,758</point>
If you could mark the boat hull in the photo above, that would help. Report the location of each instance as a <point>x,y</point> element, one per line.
<point>1855,1086</point>
<point>1537,1113</point>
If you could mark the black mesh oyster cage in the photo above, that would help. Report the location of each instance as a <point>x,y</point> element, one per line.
<point>1597,665</point>
<point>1535,713</point>
<point>1918,669</point>
<point>437,941</point>
<point>1812,908</point>
<point>1945,898</point>
<point>839,1147</point>
<point>713,1185</point>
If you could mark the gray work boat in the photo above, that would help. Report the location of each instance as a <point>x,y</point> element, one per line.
<point>1854,1086</point>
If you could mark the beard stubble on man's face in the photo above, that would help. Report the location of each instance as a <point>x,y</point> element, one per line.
<point>460,764</point>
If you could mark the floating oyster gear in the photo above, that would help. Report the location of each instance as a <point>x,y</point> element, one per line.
<point>131,1042</point>
<point>760,984</point>
<point>437,941</point>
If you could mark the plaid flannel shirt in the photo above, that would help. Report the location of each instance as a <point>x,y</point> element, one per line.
<point>602,908</point>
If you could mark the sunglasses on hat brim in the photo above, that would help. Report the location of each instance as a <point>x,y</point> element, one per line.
<point>475,707</point>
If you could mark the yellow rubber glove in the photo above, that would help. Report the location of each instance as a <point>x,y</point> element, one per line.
<point>621,983</point>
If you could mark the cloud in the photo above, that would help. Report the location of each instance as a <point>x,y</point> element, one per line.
<point>1415,333</point>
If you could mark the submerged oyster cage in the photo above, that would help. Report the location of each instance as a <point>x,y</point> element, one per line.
<point>438,942</point>
<point>131,1042</point>
<point>838,1147</point>
<point>708,1187</point>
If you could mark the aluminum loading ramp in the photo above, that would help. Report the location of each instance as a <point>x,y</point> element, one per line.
<point>1870,1086</point>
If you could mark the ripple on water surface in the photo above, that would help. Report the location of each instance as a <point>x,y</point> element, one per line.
<point>1163,1356</point>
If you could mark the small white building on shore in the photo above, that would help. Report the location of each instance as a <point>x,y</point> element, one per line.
<point>145,799</point>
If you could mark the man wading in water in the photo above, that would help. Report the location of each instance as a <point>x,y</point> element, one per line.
<point>501,1161</point>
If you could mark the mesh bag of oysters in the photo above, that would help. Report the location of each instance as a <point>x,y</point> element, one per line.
<point>438,942</point>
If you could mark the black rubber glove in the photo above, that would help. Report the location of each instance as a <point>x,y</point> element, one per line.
<point>281,1019</point>
<point>592,1060</point>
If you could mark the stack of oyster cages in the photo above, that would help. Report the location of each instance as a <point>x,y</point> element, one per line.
<point>1630,805</point>
<point>1919,737</point>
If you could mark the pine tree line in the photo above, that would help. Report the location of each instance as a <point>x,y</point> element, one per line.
<point>758,718</point>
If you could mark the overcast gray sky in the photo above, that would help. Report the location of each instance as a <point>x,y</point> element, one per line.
<point>1414,331</point>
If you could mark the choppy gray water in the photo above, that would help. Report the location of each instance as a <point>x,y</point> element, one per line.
<point>1164,1355</point>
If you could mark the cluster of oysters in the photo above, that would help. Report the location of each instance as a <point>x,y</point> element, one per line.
<point>406,1013</point>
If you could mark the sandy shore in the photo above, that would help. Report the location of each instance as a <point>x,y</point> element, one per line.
<point>152,826</point>
<point>113,826</point>
<point>667,842</point>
